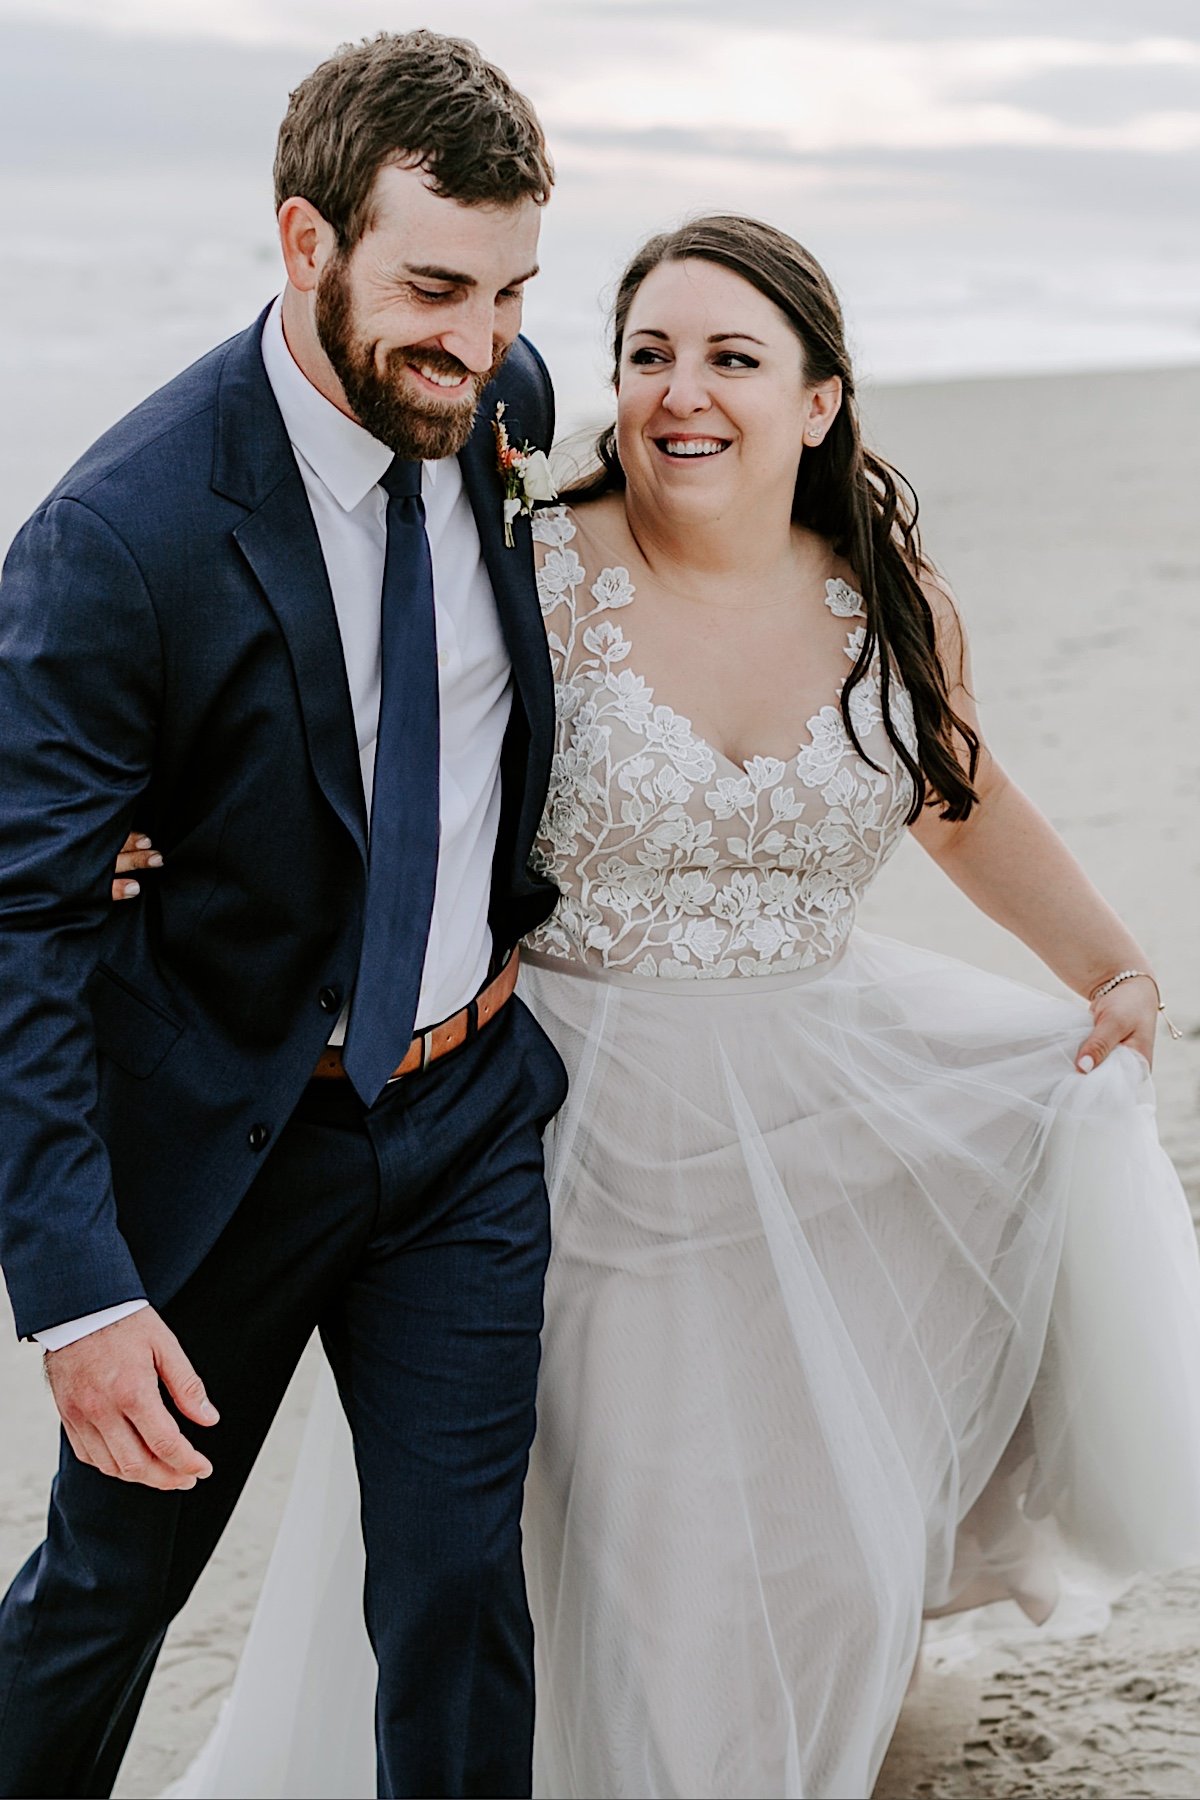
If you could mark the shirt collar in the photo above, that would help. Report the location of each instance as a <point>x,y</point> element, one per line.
<point>340,452</point>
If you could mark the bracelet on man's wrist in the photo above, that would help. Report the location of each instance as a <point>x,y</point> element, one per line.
<point>1106,987</point>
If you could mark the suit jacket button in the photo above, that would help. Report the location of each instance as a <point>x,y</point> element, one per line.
<point>258,1136</point>
<point>329,1000</point>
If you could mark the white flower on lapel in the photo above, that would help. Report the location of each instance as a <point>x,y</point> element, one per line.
<point>536,476</point>
<point>525,473</point>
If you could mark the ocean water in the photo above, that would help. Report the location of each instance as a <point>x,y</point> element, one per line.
<point>112,281</point>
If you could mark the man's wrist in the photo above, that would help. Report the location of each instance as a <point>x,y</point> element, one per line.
<point>57,1337</point>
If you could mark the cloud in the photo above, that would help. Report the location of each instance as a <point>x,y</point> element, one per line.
<point>93,100</point>
<point>818,92</point>
<point>322,23</point>
<point>830,82</point>
<point>1105,97</point>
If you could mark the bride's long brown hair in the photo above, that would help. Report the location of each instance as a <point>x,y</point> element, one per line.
<point>846,493</point>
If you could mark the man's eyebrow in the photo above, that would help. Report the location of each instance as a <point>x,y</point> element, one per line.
<point>456,278</point>
<point>431,272</point>
<point>716,337</point>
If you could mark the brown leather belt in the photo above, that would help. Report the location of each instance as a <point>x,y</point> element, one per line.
<point>439,1040</point>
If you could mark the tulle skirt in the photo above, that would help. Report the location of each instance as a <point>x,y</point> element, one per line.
<point>863,1304</point>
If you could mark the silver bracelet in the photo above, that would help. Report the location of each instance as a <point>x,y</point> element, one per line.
<point>1106,987</point>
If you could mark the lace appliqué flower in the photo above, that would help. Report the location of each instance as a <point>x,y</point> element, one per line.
<point>675,862</point>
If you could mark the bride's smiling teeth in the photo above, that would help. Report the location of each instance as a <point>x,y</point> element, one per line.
<point>692,446</point>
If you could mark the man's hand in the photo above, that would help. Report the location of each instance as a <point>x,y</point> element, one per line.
<point>106,1388</point>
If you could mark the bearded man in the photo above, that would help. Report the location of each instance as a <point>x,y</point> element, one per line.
<point>271,618</point>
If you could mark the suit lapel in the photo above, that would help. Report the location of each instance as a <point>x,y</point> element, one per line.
<point>255,464</point>
<point>513,582</point>
<point>280,543</point>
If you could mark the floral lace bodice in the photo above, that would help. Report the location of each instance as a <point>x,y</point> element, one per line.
<point>673,860</point>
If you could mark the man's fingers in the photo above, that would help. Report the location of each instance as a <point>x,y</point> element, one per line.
<point>164,1440</point>
<point>107,1390</point>
<point>125,890</point>
<point>182,1382</point>
<point>136,1463</point>
<point>89,1446</point>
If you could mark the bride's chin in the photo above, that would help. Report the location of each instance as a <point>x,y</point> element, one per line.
<point>697,502</point>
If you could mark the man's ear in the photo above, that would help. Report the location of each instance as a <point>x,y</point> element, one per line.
<point>307,241</point>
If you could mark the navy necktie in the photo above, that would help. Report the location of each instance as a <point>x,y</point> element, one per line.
<point>403,854</point>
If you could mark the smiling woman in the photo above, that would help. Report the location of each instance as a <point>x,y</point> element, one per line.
<point>774,403</point>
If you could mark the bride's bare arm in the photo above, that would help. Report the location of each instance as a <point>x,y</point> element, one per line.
<point>1008,859</point>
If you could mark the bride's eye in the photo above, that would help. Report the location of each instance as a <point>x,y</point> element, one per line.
<point>735,359</point>
<point>644,354</point>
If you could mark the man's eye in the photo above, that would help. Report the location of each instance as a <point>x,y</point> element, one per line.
<point>428,293</point>
<point>509,294</point>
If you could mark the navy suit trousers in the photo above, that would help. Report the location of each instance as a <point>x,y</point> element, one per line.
<point>414,1237</point>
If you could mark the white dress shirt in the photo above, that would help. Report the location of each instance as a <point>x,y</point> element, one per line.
<point>340,465</point>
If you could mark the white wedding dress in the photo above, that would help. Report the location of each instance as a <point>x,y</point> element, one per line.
<point>863,1303</point>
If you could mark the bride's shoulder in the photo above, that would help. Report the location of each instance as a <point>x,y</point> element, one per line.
<point>552,527</point>
<point>566,546</point>
<point>575,522</point>
<point>558,570</point>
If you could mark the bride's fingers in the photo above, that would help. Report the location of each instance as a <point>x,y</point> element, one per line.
<point>137,852</point>
<point>1093,1050</point>
<point>138,859</point>
<point>1112,1028</point>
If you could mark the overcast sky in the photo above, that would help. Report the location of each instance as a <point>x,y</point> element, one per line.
<point>991,185</point>
<point>787,80</point>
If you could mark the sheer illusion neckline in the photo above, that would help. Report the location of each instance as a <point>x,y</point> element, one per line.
<point>842,600</point>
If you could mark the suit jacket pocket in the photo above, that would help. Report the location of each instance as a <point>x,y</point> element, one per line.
<point>132,1030</point>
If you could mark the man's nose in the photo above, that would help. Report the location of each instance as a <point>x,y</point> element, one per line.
<point>472,337</point>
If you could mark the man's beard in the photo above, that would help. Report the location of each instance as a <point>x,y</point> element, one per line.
<point>417,429</point>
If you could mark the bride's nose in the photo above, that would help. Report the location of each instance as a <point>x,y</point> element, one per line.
<point>686,395</point>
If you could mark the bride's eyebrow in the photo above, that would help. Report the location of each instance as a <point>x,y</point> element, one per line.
<point>715,337</point>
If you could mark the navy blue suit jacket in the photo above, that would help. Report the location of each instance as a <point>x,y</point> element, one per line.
<point>170,658</point>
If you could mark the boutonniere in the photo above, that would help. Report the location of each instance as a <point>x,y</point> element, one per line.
<point>525,473</point>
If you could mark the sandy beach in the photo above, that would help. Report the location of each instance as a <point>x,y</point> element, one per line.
<point>1062,511</point>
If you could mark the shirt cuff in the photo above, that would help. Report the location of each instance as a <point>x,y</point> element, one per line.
<point>57,1337</point>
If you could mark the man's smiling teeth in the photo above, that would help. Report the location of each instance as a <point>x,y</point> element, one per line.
<point>446,381</point>
<point>693,446</point>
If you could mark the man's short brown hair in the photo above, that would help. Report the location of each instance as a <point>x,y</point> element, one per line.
<point>417,99</point>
